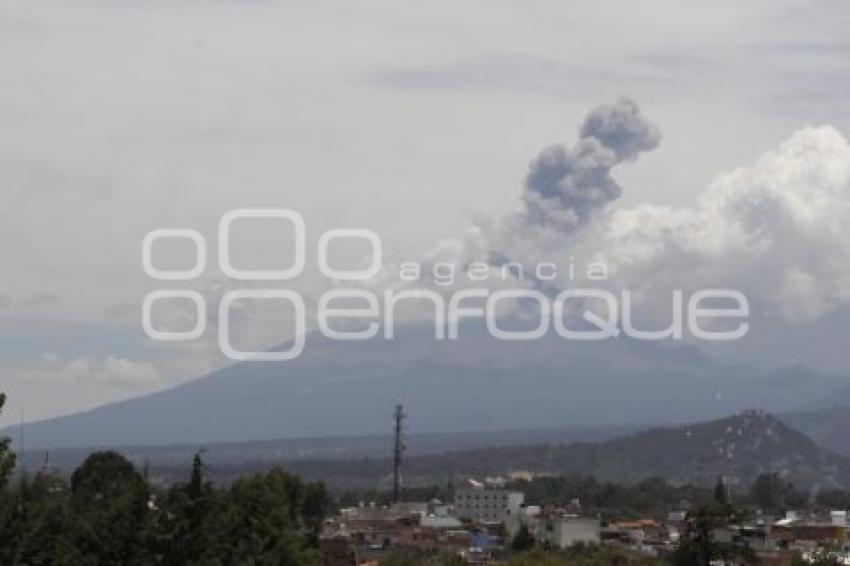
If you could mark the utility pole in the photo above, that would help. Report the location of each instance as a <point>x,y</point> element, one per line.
<point>398,450</point>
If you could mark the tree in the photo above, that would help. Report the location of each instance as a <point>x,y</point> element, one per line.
<point>108,514</point>
<point>721,491</point>
<point>538,557</point>
<point>11,504</point>
<point>581,554</point>
<point>523,540</point>
<point>315,505</point>
<point>186,524</point>
<point>38,521</point>
<point>267,518</point>
<point>7,457</point>
<point>772,493</point>
<point>196,488</point>
<point>698,546</point>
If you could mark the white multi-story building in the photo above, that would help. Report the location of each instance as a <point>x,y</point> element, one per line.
<point>475,502</point>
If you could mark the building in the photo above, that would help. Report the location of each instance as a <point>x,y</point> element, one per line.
<point>563,532</point>
<point>636,532</point>
<point>378,526</point>
<point>476,502</point>
<point>828,530</point>
<point>819,533</point>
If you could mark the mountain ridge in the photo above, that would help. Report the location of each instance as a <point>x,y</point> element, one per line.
<point>739,448</point>
<point>474,384</point>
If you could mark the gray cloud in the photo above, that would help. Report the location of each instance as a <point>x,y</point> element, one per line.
<point>41,298</point>
<point>123,310</point>
<point>566,186</point>
<point>5,302</point>
<point>621,128</point>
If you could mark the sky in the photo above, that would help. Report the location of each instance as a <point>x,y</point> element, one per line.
<point>418,122</point>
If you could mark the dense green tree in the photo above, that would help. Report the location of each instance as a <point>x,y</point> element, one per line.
<point>771,493</point>
<point>40,520</point>
<point>721,491</point>
<point>424,558</point>
<point>7,457</point>
<point>315,505</point>
<point>834,499</point>
<point>538,558</point>
<point>266,519</point>
<point>186,524</point>
<point>653,496</point>
<point>401,558</point>
<point>12,516</point>
<point>271,518</point>
<point>582,555</point>
<point>699,545</point>
<point>12,520</point>
<point>108,514</point>
<point>523,540</point>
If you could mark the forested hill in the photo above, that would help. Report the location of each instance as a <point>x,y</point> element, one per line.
<point>828,427</point>
<point>739,447</point>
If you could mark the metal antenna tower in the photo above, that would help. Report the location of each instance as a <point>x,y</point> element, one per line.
<point>398,451</point>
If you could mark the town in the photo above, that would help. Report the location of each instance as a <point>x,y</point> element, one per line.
<point>490,521</point>
<point>489,524</point>
<point>140,512</point>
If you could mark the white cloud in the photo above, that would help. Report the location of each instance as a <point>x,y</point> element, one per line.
<point>775,230</point>
<point>54,384</point>
<point>106,370</point>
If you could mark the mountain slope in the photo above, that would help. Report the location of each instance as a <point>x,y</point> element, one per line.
<point>475,383</point>
<point>828,427</point>
<point>739,448</point>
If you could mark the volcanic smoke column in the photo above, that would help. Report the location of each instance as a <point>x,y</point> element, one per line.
<point>565,187</point>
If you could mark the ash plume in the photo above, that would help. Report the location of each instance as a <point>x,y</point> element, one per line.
<point>567,186</point>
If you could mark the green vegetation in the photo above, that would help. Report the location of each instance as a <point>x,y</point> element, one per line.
<point>771,493</point>
<point>523,540</point>
<point>110,514</point>
<point>438,558</point>
<point>577,555</point>
<point>653,497</point>
<point>7,458</point>
<point>582,555</point>
<point>698,546</point>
